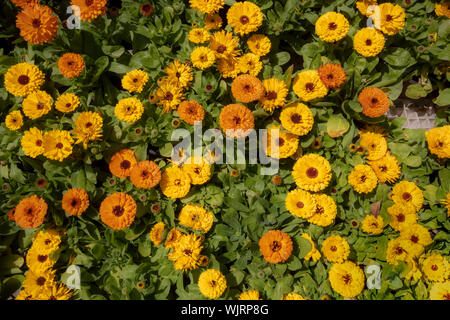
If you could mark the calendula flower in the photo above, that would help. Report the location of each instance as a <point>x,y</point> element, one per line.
<point>175,183</point>
<point>213,21</point>
<point>402,215</point>
<point>347,279</point>
<point>25,3</point>
<point>190,111</point>
<point>37,104</point>
<point>312,172</point>
<point>224,44</point>
<point>135,81</point>
<point>244,17</point>
<point>392,18</point>
<point>308,85</point>
<point>47,241</point>
<point>169,97</point>
<point>363,179</point>
<point>186,252</point>
<point>313,254</point>
<point>88,127</point>
<point>38,283</point>
<point>279,144</point>
<point>75,201</point>
<point>368,42</point>
<point>202,57</point>
<point>179,74</point>
<point>118,210</point>
<point>440,291</point>
<point>275,92</point>
<point>207,6</point>
<point>90,9</point>
<point>56,292</point>
<point>37,261</point>
<point>146,9</point>
<point>418,237</point>
<point>199,35</point>
<point>335,249</point>
<point>293,296</point>
<point>37,24</point>
<point>122,162</point>
<point>14,120</point>
<point>247,88</point>
<point>442,9</point>
<point>259,44</point>
<point>129,110</point>
<point>249,295</point>
<point>212,283</point>
<point>57,144</point>
<point>236,120</point>
<point>332,26</point>
<point>275,246</point>
<point>438,140</point>
<point>407,192</point>
<point>297,118</point>
<point>11,213</point>
<point>436,268</point>
<point>363,6</point>
<point>332,75</point>
<point>67,102</point>
<point>145,174</point>
<point>397,250</point>
<point>156,234</point>
<point>372,224</point>
<point>375,145</point>
<point>71,65</point>
<point>198,170</point>
<point>228,68</point>
<point>196,217</point>
<point>172,237</point>
<point>30,212</point>
<point>374,102</point>
<point>326,210</point>
<point>386,168</point>
<point>250,63</point>
<point>23,78</point>
<point>300,203</point>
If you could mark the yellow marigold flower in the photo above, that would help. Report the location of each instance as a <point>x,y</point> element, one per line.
<point>368,42</point>
<point>67,102</point>
<point>213,21</point>
<point>392,18</point>
<point>198,170</point>
<point>414,271</point>
<point>313,253</point>
<point>37,283</point>
<point>47,241</point>
<point>300,203</point>
<point>23,78</point>
<point>293,296</point>
<point>56,292</point>
<point>88,127</point>
<point>244,17</point>
<point>199,35</point>
<point>259,44</point>
<point>207,6</point>
<point>442,9</point>
<point>440,291</point>
<point>250,63</point>
<point>32,142</point>
<point>335,249</point>
<point>196,217</point>
<point>347,279</point>
<point>372,224</point>
<point>312,172</point>
<point>397,250</point>
<point>247,88</point>
<point>212,283</point>
<point>438,140</point>
<point>37,24</point>
<point>71,65</point>
<point>135,81</point>
<point>436,268</point>
<point>407,192</point>
<point>228,68</point>
<point>186,252</point>
<point>224,44</point>
<point>14,120</point>
<point>308,85</point>
<point>282,145</point>
<point>332,26</point>
<point>249,295</point>
<point>90,9</point>
<point>172,237</point>
<point>175,183</point>
<point>446,202</point>
<point>129,110</point>
<point>297,118</point>
<point>326,210</point>
<point>363,179</point>
<point>363,6</point>
<point>179,74</point>
<point>169,97</point>
<point>418,238</point>
<point>375,144</point>
<point>38,262</point>
<point>57,144</point>
<point>275,94</point>
<point>37,104</point>
<point>401,215</point>
<point>202,57</point>
<point>75,201</point>
<point>156,234</point>
<point>386,169</point>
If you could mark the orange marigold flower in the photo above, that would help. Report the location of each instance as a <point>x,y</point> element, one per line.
<point>75,201</point>
<point>145,174</point>
<point>30,212</point>
<point>37,24</point>
<point>374,102</point>
<point>275,246</point>
<point>236,120</point>
<point>332,75</point>
<point>122,162</point>
<point>191,111</point>
<point>146,9</point>
<point>25,3</point>
<point>90,9</point>
<point>70,65</point>
<point>247,88</point>
<point>118,210</point>
<point>11,214</point>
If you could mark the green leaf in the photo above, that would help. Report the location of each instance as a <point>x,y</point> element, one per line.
<point>444,98</point>
<point>337,126</point>
<point>415,91</point>
<point>304,246</point>
<point>413,161</point>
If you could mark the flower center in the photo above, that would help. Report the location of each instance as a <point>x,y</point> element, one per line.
<point>368,42</point>
<point>74,202</point>
<point>41,258</point>
<point>118,211</point>
<point>388,17</point>
<point>89,124</point>
<point>333,248</point>
<point>415,239</point>
<point>23,80</point>
<point>89,2</point>
<point>36,23</point>
<point>40,106</point>
<point>271,95</point>
<point>144,174</point>
<point>347,278</point>
<point>135,80</point>
<point>237,120</point>
<point>407,196</point>
<point>300,205</point>
<point>244,19</point>
<point>168,96</point>
<point>312,173</point>
<point>309,86</point>
<point>296,118</point>
<point>280,142</point>
<point>275,246</point>
<point>59,145</point>
<point>39,143</point>
<point>177,182</point>
<point>332,26</point>
<point>363,179</point>
<point>401,217</point>
<point>221,49</point>
<point>40,281</point>
<point>125,164</point>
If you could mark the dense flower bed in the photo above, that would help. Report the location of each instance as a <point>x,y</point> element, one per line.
<point>98,202</point>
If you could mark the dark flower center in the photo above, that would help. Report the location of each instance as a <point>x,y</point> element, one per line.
<point>244,19</point>
<point>118,211</point>
<point>59,145</point>
<point>74,202</point>
<point>330,76</point>
<point>300,205</point>
<point>144,173</point>
<point>374,100</point>
<point>41,258</point>
<point>333,248</point>
<point>368,42</point>
<point>388,17</point>
<point>125,164</point>
<point>401,217</point>
<point>23,80</point>
<point>89,124</point>
<point>309,86</point>
<point>271,95</point>
<point>383,168</point>
<point>363,178</point>
<point>39,143</point>
<point>332,26</point>
<point>275,246</point>
<point>434,267</point>
<point>40,106</point>
<point>347,278</point>
<point>168,96</point>
<point>40,281</point>
<point>280,142</point>
<point>407,196</point>
<point>415,239</point>
<point>296,118</point>
<point>237,120</point>
<point>36,23</point>
<point>312,173</point>
<point>68,105</point>
<point>221,49</point>
<point>89,2</point>
<point>398,251</point>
